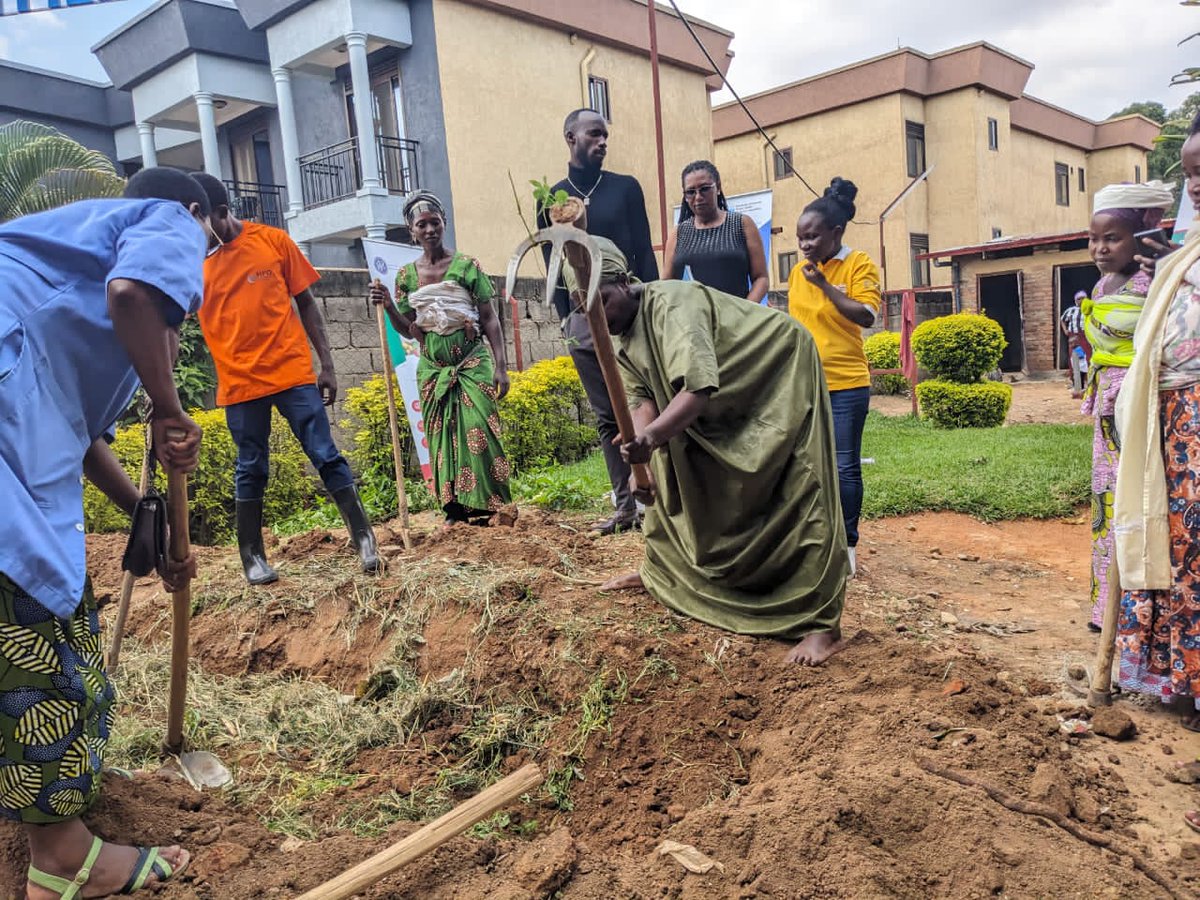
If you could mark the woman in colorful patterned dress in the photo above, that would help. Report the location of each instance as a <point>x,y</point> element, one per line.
<point>443,301</point>
<point>1157,492</point>
<point>1110,317</point>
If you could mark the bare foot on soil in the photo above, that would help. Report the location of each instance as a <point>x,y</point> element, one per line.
<point>816,648</point>
<point>629,582</point>
<point>110,873</point>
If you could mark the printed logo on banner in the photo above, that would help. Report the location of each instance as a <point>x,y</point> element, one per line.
<point>388,259</point>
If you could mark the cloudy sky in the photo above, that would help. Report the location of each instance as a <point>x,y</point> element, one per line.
<point>1092,56</point>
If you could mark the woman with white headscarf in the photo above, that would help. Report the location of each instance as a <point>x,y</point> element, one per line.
<point>1157,506</point>
<point>1110,317</point>
<point>444,301</point>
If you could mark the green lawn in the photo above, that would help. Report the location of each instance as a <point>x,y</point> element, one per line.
<point>1022,471</point>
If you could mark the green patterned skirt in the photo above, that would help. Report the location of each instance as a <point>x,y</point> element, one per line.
<point>458,399</point>
<point>56,707</point>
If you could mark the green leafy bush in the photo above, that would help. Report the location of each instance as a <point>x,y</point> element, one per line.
<point>371,453</point>
<point>883,352</point>
<point>963,347</point>
<point>546,416</point>
<point>947,404</point>
<point>210,487</point>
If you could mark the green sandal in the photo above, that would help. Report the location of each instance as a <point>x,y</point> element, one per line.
<point>149,862</point>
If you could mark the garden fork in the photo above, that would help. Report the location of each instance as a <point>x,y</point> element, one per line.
<point>578,249</point>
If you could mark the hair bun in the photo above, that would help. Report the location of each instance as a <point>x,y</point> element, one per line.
<point>843,193</point>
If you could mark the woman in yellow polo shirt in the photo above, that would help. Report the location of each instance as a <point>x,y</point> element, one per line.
<point>835,295</point>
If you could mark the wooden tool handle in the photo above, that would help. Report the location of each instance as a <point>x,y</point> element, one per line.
<point>181,603</point>
<point>432,836</point>
<point>1101,691</point>
<point>389,375</point>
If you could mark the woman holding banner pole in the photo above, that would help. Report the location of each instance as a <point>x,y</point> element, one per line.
<point>443,301</point>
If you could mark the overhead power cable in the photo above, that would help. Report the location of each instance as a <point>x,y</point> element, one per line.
<point>729,87</point>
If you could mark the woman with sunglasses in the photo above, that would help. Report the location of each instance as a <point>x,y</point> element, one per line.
<point>720,248</point>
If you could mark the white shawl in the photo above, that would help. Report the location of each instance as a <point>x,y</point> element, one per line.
<point>1140,504</point>
<point>444,308</point>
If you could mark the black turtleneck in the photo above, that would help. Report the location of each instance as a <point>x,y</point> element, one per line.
<point>616,210</point>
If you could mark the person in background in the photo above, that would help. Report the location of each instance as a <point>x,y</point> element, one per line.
<point>718,247</point>
<point>1157,495</point>
<point>444,302</point>
<point>1079,351</point>
<point>616,209</point>
<point>835,294</point>
<point>93,297</point>
<point>259,345</point>
<point>730,411</point>
<point>1109,319</point>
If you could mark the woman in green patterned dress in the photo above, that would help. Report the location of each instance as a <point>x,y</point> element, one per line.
<point>443,301</point>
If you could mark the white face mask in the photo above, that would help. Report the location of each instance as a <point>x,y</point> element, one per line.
<point>220,243</point>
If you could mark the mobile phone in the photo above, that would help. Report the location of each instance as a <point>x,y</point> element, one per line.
<point>1158,235</point>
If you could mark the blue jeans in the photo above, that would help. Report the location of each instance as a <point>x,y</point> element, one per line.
<point>250,425</point>
<point>849,416</point>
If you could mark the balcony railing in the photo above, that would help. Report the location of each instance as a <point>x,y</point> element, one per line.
<point>256,202</point>
<point>334,173</point>
<point>398,164</point>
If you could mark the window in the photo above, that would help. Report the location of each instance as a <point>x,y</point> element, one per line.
<point>914,141</point>
<point>1137,174</point>
<point>783,163</point>
<point>997,234</point>
<point>598,96</point>
<point>1062,184</point>
<point>918,244</point>
<point>1082,181</point>
<point>787,262</point>
<point>993,134</point>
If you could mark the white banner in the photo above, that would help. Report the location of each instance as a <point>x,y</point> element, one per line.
<point>384,261</point>
<point>759,206</point>
<point>1187,213</point>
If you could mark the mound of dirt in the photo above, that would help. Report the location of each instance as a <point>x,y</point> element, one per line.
<point>827,783</point>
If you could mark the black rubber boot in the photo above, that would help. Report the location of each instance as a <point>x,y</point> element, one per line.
<point>250,543</point>
<point>361,536</point>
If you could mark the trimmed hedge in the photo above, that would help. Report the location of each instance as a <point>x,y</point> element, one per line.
<point>210,487</point>
<point>546,420</point>
<point>963,347</point>
<point>883,352</point>
<point>546,416</point>
<point>948,404</point>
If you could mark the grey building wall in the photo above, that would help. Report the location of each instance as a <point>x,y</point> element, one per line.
<point>320,112</point>
<point>168,33</point>
<point>83,110</point>
<point>421,86</point>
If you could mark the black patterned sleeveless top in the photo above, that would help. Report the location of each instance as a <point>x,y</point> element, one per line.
<point>717,256</point>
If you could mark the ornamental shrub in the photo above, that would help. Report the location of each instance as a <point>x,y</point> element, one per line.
<point>962,348</point>
<point>546,416</point>
<point>210,487</point>
<point>546,421</point>
<point>883,352</point>
<point>947,404</point>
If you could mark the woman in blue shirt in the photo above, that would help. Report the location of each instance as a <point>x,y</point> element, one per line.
<point>93,295</point>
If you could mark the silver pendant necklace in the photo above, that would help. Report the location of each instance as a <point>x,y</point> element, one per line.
<point>587,198</point>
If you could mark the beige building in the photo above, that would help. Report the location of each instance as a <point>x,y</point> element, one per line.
<point>510,71</point>
<point>1001,163</point>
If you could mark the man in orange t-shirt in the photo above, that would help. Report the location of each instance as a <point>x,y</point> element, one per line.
<point>259,344</point>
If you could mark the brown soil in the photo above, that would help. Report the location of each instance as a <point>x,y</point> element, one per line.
<point>801,783</point>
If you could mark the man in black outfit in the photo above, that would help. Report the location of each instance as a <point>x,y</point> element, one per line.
<point>616,209</point>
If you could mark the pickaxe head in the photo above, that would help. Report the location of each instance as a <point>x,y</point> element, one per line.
<point>558,237</point>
